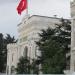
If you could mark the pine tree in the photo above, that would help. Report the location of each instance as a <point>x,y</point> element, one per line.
<point>3,50</point>
<point>1,53</point>
<point>23,66</point>
<point>9,39</point>
<point>54,46</point>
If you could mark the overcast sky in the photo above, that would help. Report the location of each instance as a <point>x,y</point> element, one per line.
<point>9,17</point>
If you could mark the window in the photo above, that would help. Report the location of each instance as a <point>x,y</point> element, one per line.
<point>12,56</point>
<point>25,51</point>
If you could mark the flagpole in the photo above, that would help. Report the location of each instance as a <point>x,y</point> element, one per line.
<point>27,9</point>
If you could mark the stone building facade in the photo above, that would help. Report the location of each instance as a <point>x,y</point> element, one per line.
<point>72,52</point>
<point>28,31</point>
<point>72,63</point>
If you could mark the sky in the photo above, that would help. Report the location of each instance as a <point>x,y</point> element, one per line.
<point>9,18</point>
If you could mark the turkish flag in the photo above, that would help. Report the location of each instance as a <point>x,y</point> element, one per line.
<point>22,6</point>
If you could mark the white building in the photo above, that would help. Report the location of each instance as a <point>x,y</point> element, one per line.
<point>72,65</point>
<point>72,52</point>
<point>28,31</point>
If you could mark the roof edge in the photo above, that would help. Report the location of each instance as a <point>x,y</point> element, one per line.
<point>47,17</point>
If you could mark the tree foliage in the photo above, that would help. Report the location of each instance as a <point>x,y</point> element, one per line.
<point>3,50</point>
<point>23,66</point>
<point>54,46</point>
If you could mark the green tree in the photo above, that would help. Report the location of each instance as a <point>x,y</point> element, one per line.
<point>64,38</point>
<point>3,50</point>
<point>35,66</point>
<point>23,66</point>
<point>2,67</point>
<point>54,46</point>
<point>9,39</point>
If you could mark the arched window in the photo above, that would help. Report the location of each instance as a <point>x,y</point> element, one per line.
<point>25,51</point>
<point>12,57</point>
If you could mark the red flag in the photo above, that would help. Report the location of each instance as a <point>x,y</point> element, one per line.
<point>22,6</point>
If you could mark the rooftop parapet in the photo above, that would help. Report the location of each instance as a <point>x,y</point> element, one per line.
<point>12,45</point>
